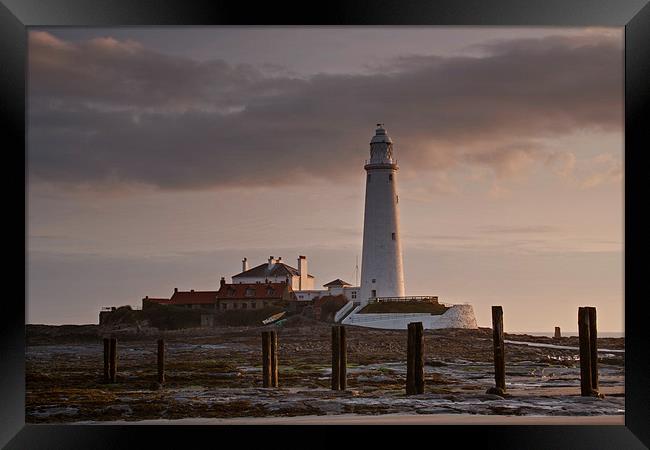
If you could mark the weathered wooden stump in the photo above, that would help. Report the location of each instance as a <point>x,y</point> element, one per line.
<point>410,361</point>
<point>266,359</point>
<point>336,358</point>
<point>588,336</point>
<point>499,352</point>
<point>593,349</point>
<point>415,359</point>
<point>161,361</point>
<point>339,358</point>
<point>107,349</point>
<point>343,359</point>
<point>418,364</point>
<point>585,352</point>
<point>273,336</point>
<point>112,363</point>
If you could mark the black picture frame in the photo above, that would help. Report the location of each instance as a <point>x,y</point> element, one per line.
<point>17,15</point>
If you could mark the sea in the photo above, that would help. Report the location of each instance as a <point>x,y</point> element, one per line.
<point>603,334</point>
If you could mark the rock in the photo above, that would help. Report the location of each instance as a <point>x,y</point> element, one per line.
<point>124,409</point>
<point>226,375</point>
<point>496,391</point>
<point>488,397</point>
<point>435,363</point>
<point>383,378</point>
<point>56,411</point>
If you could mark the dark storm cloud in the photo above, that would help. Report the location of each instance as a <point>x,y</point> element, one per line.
<point>105,111</point>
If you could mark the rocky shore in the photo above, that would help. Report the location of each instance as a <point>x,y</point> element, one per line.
<point>216,373</point>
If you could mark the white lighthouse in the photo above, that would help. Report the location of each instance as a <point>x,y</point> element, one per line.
<point>382,273</point>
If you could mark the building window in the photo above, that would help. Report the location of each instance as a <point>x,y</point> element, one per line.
<point>354,294</point>
<point>269,291</point>
<point>301,296</point>
<point>244,306</point>
<point>250,292</point>
<point>392,235</point>
<point>374,293</point>
<point>374,280</point>
<point>224,306</point>
<point>266,303</point>
<point>390,177</point>
<point>253,305</point>
<point>397,199</point>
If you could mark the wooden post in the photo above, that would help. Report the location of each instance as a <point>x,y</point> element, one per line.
<point>418,365</point>
<point>107,349</point>
<point>585,352</point>
<point>343,359</point>
<point>410,360</point>
<point>558,334</point>
<point>273,336</point>
<point>112,363</point>
<point>161,361</point>
<point>336,358</point>
<point>593,348</point>
<point>266,359</point>
<point>499,352</point>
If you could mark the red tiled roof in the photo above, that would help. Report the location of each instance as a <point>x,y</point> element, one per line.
<point>255,291</point>
<point>186,298</point>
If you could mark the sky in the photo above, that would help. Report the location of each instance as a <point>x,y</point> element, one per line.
<point>160,157</point>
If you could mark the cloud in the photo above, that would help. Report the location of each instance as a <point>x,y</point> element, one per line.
<point>605,169</point>
<point>110,112</point>
<point>562,163</point>
<point>518,229</point>
<point>506,161</point>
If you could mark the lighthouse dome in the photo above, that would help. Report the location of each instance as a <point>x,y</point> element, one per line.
<point>381,135</point>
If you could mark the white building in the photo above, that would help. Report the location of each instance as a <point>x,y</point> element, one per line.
<point>382,273</point>
<point>275,271</point>
<point>340,287</point>
<point>302,283</point>
<point>335,287</point>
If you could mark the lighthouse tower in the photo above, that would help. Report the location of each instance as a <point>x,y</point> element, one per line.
<point>382,273</point>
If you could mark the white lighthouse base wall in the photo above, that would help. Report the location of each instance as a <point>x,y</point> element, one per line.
<point>458,316</point>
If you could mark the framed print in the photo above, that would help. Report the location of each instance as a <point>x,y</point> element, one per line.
<point>278,218</point>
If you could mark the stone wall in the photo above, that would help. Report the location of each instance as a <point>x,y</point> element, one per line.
<point>458,316</point>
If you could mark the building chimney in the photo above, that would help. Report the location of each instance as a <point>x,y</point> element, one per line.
<point>302,272</point>
<point>175,290</point>
<point>222,283</point>
<point>244,265</point>
<point>271,262</point>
